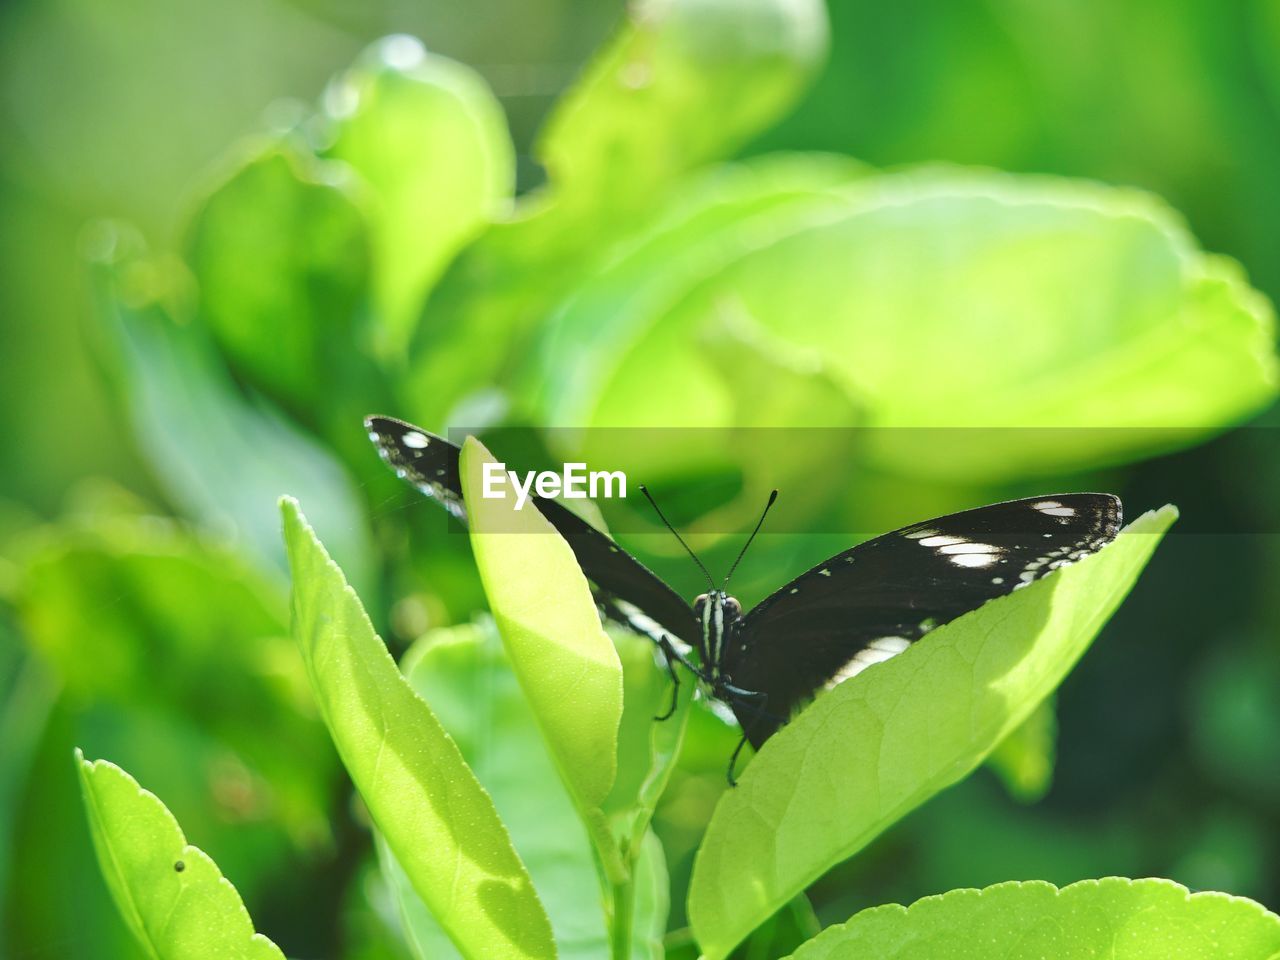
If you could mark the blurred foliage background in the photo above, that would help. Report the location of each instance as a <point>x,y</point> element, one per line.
<point>275,233</point>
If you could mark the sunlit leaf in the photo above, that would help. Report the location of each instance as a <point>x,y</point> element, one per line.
<point>430,140</point>
<point>1039,324</point>
<point>171,894</point>
<point>566,664</point>
<point>683,82</point>
<point>1114,918</point>
<point>863,755</point>
<point>426,802</point>
<point>712,223</point>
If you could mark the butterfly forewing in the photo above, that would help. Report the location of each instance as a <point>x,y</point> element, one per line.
<point>630,591</point>
<point>872,601</point>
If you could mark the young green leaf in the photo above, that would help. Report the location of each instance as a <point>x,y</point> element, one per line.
<point>171,894</point>
<point>431,141</point>
<point>1115,918</point>
<point>567,666</point>
<point>683,83</point>
<point>426,802</point>
<point>863,755</point>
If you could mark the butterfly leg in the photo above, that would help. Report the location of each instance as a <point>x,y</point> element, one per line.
<point>747,695</point>
<point>672,655</point>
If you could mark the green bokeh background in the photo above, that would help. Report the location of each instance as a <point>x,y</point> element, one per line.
<point>1168,734</point>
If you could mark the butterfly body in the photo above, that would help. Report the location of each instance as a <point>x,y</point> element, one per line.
<point>857,609</point>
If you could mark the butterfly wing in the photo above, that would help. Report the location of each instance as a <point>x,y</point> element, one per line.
<point>872,601</point>
<point>629,590</point>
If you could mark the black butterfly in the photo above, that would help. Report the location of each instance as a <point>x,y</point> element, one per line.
<point>860,607</point>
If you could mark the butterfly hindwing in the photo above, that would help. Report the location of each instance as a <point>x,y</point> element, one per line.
<point>872,601</point>
<point>627,588</point>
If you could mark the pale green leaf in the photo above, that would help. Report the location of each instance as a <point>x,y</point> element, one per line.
<point>430,140</point>
<point>862,756</point>
<point>171,894</point>
<point>1035,324</point>
<point>423,797</point>
<point>1114,918</point>
<point>684,82</point>
<point>712,223</point>
<point>566,664</point>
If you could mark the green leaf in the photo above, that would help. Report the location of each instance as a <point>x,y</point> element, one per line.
<point>1024,759</point>
<point>171,894</point>
<point>435,815</point>
<point>428,137</point>
<point>862,756</point>
<point>134,613</point>
<point>652,886</point>
<point>683,83</point>
<point>281,259</point>
<point>1049,304</point>
<point>1115,918</point>
<point>1060,324</point>
<point>566,664</point>
<point>647,749</point>
<point>466,677</point>
<point>205,442</point>
<point>712,223</point>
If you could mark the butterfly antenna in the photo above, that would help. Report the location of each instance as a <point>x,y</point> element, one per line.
<point>667,523</point>
<point>759,523</point>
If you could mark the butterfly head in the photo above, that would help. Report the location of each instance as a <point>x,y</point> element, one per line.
<point>718,615</point>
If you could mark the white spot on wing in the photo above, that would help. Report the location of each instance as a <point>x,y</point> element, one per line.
<point>414,440</point>
<point>1053,508</point>
<point>974,559</point>
<point>878,651</point>
<point>940,541</point>
<point>890,645</point>
<point>954,548</point>
<point>921,534</point>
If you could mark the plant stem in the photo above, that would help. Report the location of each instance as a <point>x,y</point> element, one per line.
<point>624,897</point>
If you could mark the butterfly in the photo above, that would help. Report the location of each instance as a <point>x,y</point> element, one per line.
<point>859,608</point>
